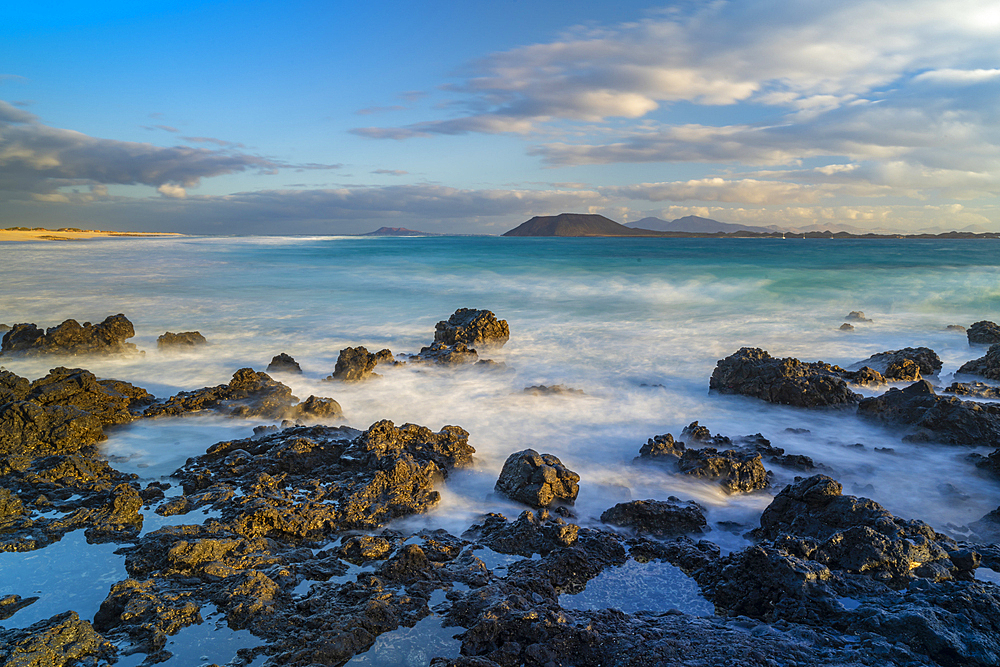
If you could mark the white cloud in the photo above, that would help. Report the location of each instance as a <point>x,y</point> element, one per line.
<point>172,191</point>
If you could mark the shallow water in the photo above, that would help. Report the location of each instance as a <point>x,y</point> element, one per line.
<point>636,324</point>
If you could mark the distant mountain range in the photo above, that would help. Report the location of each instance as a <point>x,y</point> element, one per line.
<point>582,224</point>
<point>694,224</point>
<point>397,231</point>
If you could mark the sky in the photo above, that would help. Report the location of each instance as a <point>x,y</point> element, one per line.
<point>217,117</point>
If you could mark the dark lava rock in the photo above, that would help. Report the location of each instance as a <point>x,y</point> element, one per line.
<point>988,365</point>
<point>658,517</point>
<point>988,526</point>
<point>925,358</point>
<point>661,448</point>
<point>906,370</point>
<point>984,333</point>
<point>538,480</point>
<point>735,471</point>
<point>550,390</point>
<point>753,372</point>
<point>29,430</point>
<point>249,394</point>
<point>856,316</point>
<point>955,327</point>
<point>933,417</point>
<point>855,534</point>
<point>283,363</point>
<point>71,337</point>
<point>846,327</point>
<point>61,640</point>
<point>185,339</point>
<point>472,327</point>
<point>529,534</point>
<point>362,548</point>
<point>973,390</point>
<point>441,353</point>
<point>357,363</point>
<point>112,401</point>
<point>11,604</point>
<point>4,328</point>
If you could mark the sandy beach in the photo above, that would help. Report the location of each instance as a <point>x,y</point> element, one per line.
<point>68,234</point>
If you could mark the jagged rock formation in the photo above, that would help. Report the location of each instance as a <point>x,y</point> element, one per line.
<point>987,366</point>
<point>753,372</point>
<point>472,327</point>
<point>356,364</point>
<point>983,333</point>
<point>71,337</point>
<point>185,339</point>
<point>283,363</point>
<point>538,480</point>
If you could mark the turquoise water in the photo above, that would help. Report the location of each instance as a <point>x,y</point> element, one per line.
<point>636,324</point>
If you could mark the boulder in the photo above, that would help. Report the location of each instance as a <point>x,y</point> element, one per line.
<point>538,480</point>
<point>906,370</point>
<point>112,401</point>
<point>661,448</point>
<point>983,333</point>
<point>736,472</point>
<point>249,394</point>
<point>987,366</point>
<point>283,363</point>
<point>356,364</point>
<point>856,316</point>
<point>931,417</point>
<point>71,337</point>
<point>29,430</point>
<point>925,358</point>
<point>448,355</point>
<point>472,327</point>
<point>185,339</point>
<point>754,372</point>
<point>660,518</point>
<point>846,327</point>
<point>529,534</point>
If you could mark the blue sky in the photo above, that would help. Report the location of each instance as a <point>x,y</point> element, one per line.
<point>329,117</point>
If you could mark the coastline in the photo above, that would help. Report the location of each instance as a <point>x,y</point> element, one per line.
<point>71,234</point>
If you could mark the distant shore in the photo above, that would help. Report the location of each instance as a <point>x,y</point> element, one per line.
<point>69,234</point>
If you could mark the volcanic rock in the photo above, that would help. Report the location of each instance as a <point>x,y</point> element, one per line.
<point>987,366</point>
<point>61,640</point>
<point>926,359</point>
<point>753,372</point>
<point>185,339</point>
<point>357,363</point>
<point>658,517</point>
<point>112,401</point>
<point>550,390</point>
<point>984,333</point>
<point>472,327</point>
<point>440,353</point>
<point>71,337</point>
<point>846,327</point>
<point>933,417</point>
<point>973,390</point>
<point>856,316</point>
<point>661,448</point>
<point>735,471</point>
<point>529,534</point>
<point>249,394</point>
<point>538,480</point>
<point>283,363</point>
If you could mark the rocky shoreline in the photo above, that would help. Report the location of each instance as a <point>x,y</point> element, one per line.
<point>301,550</point>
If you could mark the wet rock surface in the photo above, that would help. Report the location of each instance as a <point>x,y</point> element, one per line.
<point>249,394</point>
<point>926,359</point>
<point>71,337</point>
<point>180,341</point>
<point>356,364</point>
<point>472,327</point>
<point>552,390</point>
<point>754,372</point>
<point>973,390</point>
<point>60,640</point>
<point>658,517</point>
<point>283,363</point>
<point>927,416</point>
<point>856,316</point>
<point>538,480</point>
<point>983,333</point>
<point>987,366</point>
<point>448,355</point>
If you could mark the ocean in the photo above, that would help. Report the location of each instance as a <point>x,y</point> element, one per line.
<point>637,325</point>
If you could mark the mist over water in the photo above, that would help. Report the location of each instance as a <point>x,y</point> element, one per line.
<point>636,324</point>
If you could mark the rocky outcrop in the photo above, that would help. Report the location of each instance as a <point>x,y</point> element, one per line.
<point>357,363</point>
<point>29,430</point>
<point>448,355</point>
<point>661,448</point>
<point>660,518</point>
<point>538,480</point>
<point>926,359</point>
<point>754,372</point>
<point>61,640</point>
<point>283,363</point>
<point>71,337</point>
<point>180,341</point>
<point>111,401</point>
<point>249,394</point>
<point>856,316</point>
<point>983,333</point>
<point>472,327</point>
<point>552,390</point>
<point>932,417</point>
<point>529,534</point>
<point>736,472</point>
<point>973,390</point>
<point>987,366</point>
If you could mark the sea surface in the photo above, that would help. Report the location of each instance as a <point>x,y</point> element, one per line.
<point>636,324</point>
